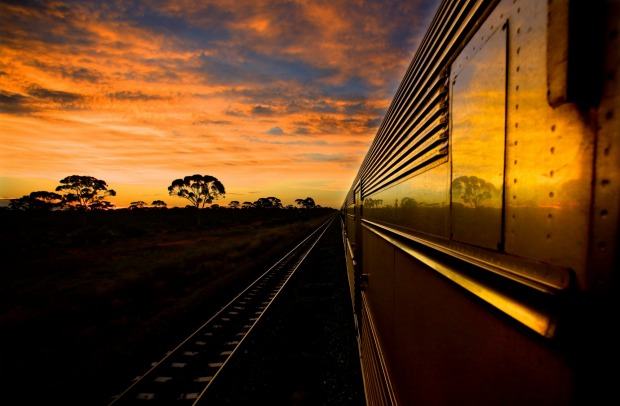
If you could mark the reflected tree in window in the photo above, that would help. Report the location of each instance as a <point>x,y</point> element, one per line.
<point>372,203</point>
<point>472,190</point>
<point>408,202</point>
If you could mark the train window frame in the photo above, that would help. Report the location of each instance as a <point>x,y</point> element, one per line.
<point>473,220</point>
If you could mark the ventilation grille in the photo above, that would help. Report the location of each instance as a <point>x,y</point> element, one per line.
<point>413,136</point>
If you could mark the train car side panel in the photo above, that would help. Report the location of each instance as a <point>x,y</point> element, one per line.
<point>453,348</point>
<point>485,215</point>
<point>379,290</point>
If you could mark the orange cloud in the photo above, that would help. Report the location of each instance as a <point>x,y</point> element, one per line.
<point>270,98</point>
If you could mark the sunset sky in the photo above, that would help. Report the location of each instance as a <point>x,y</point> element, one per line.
<point>274,98</point>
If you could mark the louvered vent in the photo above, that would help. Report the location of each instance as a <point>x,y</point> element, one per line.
<point>422,140</point>
<point>414,134</point>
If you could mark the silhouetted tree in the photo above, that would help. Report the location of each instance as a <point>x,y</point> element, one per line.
<point>102,205</point>
<point>137,205</point>
<point>41,200</point>
<point>472,190</point>
<point>307,203</point>
<point>22,203</point>
<point>85,192</point>
<point>247,205</point>
<point>268,203</point>
<point>198,189</point>
<point>160,204</point>
<point>234,204</point>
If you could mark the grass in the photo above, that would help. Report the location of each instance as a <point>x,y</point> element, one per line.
<point>88,304</point>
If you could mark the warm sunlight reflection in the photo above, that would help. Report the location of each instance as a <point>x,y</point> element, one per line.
<point>478,137</point>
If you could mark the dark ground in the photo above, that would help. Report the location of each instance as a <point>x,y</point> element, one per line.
<point>304,350</point>
<point>84,308</point>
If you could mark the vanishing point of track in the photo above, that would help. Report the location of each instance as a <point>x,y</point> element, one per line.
<point>184,375</point>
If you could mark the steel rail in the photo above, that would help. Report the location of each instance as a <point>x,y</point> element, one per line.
<point>185,373</point>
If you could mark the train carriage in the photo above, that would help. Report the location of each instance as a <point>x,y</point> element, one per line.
<point>481,229</point>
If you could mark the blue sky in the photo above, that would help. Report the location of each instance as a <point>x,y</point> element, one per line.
<point>274,98</point>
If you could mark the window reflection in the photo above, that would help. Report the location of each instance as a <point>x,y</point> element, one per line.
<point>478,142</point>
<point>420,203</point>
<point>473,191</point>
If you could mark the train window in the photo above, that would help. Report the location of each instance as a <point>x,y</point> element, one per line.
<point>420,203</point>
<point>478,114</point>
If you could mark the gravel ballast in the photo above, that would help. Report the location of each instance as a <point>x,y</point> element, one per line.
<point>304,349</point>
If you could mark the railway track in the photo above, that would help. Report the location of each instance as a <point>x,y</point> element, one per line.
<point>185,374</point>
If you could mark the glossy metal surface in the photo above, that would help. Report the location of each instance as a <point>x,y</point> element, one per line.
<point>604,253</point>
<point>487,216</point>
<point>549,155</point>
<point>478,113</point>
<point>412,135</point>
<point>518,179</point>
<point>539,320</point>
<point>421,203</point>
